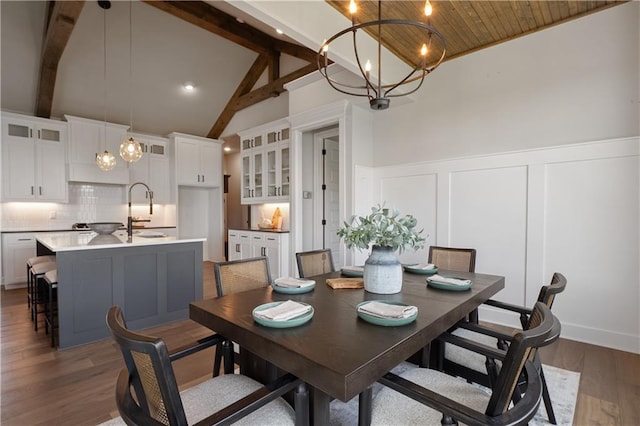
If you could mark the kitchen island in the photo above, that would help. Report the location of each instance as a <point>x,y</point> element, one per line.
<point>153,279</point>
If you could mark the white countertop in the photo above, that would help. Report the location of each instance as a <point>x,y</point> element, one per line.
<point>68,241</point>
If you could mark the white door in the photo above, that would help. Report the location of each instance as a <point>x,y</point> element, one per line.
<point>327,184</point>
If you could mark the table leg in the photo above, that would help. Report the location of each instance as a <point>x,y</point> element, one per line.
<point>364,407</point>
<point>320,408</point>
<point>302,405</point>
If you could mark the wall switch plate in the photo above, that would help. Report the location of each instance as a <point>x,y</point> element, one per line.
<point>52,215</point>
<point>306,195</point>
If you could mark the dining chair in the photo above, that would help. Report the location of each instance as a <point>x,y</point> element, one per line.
<point>233,277</point>
<point>472,366</point>
<point>314,262</point>
<point>228,398</point>
<point>453,258</point>
<point>428,396</point>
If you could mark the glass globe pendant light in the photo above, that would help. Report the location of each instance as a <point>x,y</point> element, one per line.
<point>130,149</point>
<point>105,161</point>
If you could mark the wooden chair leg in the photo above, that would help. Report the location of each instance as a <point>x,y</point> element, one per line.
<point>547,399</point>
<point>227,355</point>
<point>217,360</point>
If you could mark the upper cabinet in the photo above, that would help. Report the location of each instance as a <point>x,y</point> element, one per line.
<point>265,163</point>
<point>33,159</point>
<point>153,169</point>
<point>88,138</point>
<point>198,160</point>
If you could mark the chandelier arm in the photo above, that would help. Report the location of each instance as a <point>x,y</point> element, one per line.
<point>367,82</point>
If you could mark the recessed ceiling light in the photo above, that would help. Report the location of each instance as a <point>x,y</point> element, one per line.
<point>279,31</point>
<point>189,86</point>
<point>227,149</point>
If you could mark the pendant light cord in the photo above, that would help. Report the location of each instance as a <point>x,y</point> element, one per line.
<point>130,67</point>
<point>104,76</point>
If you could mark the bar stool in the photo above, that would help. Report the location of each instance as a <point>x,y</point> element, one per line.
<point>51,305</point>
<point>38,296</point>
<point>30,262</point>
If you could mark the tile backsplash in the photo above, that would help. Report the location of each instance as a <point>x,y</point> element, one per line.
<point>87,203</point>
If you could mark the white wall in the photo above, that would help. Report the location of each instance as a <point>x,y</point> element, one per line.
<point>571,83</point>
<point>573,209</point>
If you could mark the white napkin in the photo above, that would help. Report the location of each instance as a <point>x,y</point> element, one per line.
<point>386,310</point>
<point>293,282</point>
<point>284,311</point>
<point>425,266</point>
<point>446,280</point>
<point>353,268</point>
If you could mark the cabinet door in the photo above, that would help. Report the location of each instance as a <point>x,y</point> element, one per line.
<point>51,172</point>
<point>160,178</point>
<point>16,250</point>
<point>245,245</point>
<point>85,141</point>
<point>211,164</point>
<point>188,157</point>
<point>247,178</point>
<point>18,169</point>
<point>272,251</point>
<point>277,172</point>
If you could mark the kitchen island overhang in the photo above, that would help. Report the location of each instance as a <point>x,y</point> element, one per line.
<point>152,279</point>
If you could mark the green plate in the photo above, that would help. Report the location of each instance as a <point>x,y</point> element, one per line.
<point>450,287</point>
<point>420,271</point>
<point>351,273</point>
<point>293,322</point>
<point>293,290</point>
<point>387,322</point>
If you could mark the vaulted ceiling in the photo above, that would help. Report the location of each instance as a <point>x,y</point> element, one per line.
<point>234,59</point>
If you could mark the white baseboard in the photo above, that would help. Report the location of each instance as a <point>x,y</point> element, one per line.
<point>14,286</point>
<point>607,338</point>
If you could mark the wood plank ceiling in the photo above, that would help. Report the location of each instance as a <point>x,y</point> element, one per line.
<point>466,25</point>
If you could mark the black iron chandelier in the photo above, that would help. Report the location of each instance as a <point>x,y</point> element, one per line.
<point>377,91</point>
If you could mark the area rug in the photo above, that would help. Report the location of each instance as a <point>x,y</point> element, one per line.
<point>562,384</point>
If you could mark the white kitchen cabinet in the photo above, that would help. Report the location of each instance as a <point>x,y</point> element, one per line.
<point>17,248</point>
<point>239,245</point>
<point>153,169</point>
<point>252,176</point>
<point>273,245</point>
<point>88,138</point>
<point>265,163</point>
<point>33,159</point>
<point>198,160</point>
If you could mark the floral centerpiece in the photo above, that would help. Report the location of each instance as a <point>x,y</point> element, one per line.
<point>387,232</point>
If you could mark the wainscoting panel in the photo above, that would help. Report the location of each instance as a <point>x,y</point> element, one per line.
<point>591,234</point>
<point>488,212</point>
<point>573,209</point>
<point>414,195</point>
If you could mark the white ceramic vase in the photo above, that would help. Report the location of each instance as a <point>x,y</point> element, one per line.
<point>383,271</point>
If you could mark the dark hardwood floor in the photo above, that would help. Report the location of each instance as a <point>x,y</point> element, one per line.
<point>41,385</point>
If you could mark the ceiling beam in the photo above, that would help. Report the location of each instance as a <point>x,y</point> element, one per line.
<point>272,89</point>
<point>247,83</point>
<point>63,16</point>
<point>224,25</point>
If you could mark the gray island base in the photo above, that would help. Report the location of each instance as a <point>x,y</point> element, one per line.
<point>152,281</point>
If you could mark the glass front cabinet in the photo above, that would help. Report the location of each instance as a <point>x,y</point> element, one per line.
<point>266,164</point>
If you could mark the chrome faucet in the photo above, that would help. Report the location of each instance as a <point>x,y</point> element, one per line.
<point>130,219</point>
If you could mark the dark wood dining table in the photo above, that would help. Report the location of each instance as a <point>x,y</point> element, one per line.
<point>336,353</point>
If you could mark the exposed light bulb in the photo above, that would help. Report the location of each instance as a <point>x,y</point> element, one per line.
<point>352,7</point>
<point>106,161</point>
<point>131,150</point>
<point>423,51</point>
<point>428,9</point>
<point>367,66</point>
<point>325,46</point>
